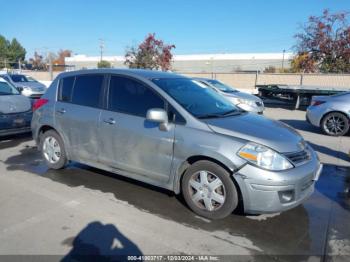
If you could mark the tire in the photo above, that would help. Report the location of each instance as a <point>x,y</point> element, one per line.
<point>335,124</point>
<point>202,197</point>
<point>52,150</point>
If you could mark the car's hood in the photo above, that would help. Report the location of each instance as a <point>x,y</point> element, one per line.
<point>243,96</point>
<point>258,129</point>
<point>14,104</point>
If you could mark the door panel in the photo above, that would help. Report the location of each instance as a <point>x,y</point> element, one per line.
<point>77,114</point>
<point>79,124</point>
<point>128,141</point>
<point>136,145</point>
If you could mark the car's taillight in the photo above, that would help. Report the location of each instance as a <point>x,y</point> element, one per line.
<point>317,103</point>
<point>39,103</point>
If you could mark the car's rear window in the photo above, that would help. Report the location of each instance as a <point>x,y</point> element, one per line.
<point>66,89</point>
<point>82,90</point>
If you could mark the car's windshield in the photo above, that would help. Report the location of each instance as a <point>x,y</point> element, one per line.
<point>341,94</point>
<point>22,78</point>
<point>222,87</point>
<point>31,79</point>
<point>198,99</point>
<point>6,88</point>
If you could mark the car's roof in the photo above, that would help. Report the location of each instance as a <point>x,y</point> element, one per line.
<point>149,74</point>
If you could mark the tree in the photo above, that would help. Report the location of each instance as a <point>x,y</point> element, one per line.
<point>324,44</point>
<point>301,63</point>
<point>3,51</point>
<point>270,69</point>
<point>16,52</point>
<point>59,61</point>
<point>150,54</point>
<point>10,52</point>
<point>38,62</point>
<point>104,64</point>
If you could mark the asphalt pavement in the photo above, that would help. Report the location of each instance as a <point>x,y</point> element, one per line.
<point>54,215</point>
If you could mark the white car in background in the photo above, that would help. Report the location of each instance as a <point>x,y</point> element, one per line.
<point>27,85</point>
<point>247,102</point>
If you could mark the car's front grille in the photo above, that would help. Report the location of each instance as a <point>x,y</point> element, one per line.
<point>299,157</point>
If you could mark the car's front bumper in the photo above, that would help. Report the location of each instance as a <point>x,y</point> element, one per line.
<point>271,192</point>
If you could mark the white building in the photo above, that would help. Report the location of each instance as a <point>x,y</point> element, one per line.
<point>198,63</point>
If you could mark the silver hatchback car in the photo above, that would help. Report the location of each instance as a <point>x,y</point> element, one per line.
<point>167,130</point>
<point>330,113</point>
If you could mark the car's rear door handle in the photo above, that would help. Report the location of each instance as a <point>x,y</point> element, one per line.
<point>61,111</point>
<point>109,121</point>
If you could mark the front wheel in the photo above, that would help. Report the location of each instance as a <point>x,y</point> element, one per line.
<point>335,124</point>
<point>208,190</point>
<point>52,149</point>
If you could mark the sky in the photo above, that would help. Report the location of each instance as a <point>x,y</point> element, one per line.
<point>194,26</point>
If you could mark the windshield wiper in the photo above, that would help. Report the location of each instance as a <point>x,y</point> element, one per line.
<point>209,116</point>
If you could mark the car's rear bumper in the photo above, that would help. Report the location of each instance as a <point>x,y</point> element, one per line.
<point>16,123</point>
<point>272,192</point>
<point>314,116</point>
<point>15,131</point>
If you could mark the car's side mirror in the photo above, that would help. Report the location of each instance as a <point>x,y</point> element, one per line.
<point>160,116</point>
<point>20,89</point>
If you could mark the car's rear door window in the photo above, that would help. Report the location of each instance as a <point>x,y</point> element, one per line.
<point>132,97</point>
<point>87,90</point>
<point>66,89</point>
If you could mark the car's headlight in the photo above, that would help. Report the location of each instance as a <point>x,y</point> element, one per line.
<point>264,157</point>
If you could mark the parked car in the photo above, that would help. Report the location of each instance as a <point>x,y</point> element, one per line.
<point>330,113</point>
<point>15,110</point>
<point>27,85</point>
<point>242,100</point>
<point>170,131</point>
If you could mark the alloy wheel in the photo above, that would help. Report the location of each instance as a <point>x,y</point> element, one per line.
<point>335,125</point>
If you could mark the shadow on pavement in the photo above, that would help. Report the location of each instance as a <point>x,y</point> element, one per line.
<point>301,125</point>
<point>335,184</point>
<point>98,242</point>
<point>14,140</point>
<point>331,152</point>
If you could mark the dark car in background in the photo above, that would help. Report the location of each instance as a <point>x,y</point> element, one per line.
<point>27,85</point>
<point>15,110</point>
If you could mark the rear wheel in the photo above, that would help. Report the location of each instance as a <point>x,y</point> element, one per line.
<point>52,149</point>
<point>335,124</point>
<point>208,190</point>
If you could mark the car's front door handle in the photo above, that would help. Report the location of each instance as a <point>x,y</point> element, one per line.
<point>109,121</point>
<point>61,111</point>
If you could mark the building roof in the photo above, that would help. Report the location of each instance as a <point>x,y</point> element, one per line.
<point>196,57</point>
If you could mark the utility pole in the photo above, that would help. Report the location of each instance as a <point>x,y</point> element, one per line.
<point>19,65</point>
<point>50,65</point>
<point>102,46</point>
<point>284,51</point>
